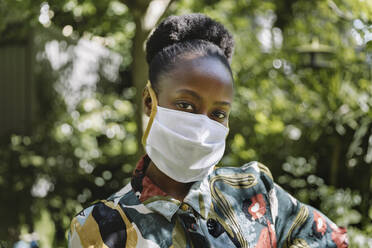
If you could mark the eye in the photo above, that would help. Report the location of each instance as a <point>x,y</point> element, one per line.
<point>185,106</point>
<point>220,115</point>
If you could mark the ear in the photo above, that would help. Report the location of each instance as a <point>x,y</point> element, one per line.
<point>146,101</point>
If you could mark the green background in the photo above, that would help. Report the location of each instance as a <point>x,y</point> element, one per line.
<point>303,103</point>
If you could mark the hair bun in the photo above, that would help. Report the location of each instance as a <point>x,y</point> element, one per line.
<point>176,29</point>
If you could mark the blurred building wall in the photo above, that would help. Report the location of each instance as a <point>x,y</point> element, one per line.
<point>80,65</point>
<point>16,89</point>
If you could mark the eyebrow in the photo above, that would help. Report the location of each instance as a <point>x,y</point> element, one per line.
<point>190,92</point>
<point>223,103</point>
<point>197,96</point>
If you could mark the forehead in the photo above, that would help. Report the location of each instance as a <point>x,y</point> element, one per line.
<point>206,76</point>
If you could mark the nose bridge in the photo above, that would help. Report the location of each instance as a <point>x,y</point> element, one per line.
<point>203,110</point>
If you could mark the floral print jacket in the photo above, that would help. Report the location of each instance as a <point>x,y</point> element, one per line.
<point>232,207</point>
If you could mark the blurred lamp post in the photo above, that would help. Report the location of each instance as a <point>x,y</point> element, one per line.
<point>316,55</point>
<point>319,56</point>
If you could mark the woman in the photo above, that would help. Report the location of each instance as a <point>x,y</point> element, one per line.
<point>177,198</point>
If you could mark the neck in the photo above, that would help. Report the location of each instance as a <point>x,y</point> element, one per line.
<point>173,188</point>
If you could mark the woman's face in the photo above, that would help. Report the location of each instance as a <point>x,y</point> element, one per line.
<point>197,85</point>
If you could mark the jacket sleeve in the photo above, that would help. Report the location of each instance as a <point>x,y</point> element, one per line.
<point>298,225</point>
<point>100,225</point>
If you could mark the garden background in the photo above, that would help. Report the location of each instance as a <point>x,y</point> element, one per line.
<point>71,79</point>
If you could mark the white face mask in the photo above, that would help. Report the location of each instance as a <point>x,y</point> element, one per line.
<point>184,146</point>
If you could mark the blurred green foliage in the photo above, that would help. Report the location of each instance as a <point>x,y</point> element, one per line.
<point>311,125</point>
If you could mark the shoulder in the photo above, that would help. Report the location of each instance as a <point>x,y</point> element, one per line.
<point>251,182</point>
<point>102,223</point>
<point>254,172</point>
<point>254,167</point>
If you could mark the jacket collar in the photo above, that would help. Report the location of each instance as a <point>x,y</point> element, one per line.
<point>158,201</point>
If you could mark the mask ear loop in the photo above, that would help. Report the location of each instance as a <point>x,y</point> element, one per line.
<point>154,104</point>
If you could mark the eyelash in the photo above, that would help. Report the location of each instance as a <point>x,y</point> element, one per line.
<point>216,114</point>
<point>181,105</point>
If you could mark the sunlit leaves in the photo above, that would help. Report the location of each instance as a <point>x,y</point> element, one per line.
<point>284,114</point>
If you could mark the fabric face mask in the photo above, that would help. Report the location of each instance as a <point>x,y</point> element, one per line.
<point>184,146</point>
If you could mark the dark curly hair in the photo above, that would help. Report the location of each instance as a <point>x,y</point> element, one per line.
<point>178,36</point>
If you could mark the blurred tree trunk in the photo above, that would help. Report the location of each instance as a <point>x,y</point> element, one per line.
<point>284,13</point>
<point>335,161</point>
<point>146,15</point>
<point>366,174</point>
